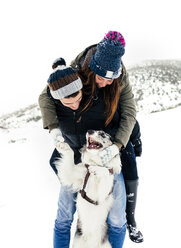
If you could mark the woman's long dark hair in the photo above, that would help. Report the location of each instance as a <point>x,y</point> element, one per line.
<point>111,92</point>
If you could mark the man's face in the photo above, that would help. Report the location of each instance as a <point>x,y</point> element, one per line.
<point>72,102</point>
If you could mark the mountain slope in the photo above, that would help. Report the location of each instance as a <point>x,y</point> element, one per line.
<point>156,85</point>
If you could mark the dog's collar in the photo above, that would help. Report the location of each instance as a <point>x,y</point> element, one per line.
<point>82,191</point>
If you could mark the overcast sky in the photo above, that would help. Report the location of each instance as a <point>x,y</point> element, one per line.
<point>34,33</point>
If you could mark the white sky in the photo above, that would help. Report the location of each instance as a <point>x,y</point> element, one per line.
<point>34,33</point>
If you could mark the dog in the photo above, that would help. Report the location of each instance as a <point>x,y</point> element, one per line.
<point>94,184</point>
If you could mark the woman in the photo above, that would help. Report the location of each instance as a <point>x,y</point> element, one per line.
<point>119,107</point>
<point>98,58</point>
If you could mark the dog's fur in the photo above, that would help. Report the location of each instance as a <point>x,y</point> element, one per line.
<point>91,226</point>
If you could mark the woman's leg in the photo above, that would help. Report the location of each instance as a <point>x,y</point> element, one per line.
<point>129,165</point>
<point>63,222</point>
<point>129,169</point>
<point>117,216</point>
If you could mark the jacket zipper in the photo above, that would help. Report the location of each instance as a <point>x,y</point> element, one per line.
<point>75,123</point>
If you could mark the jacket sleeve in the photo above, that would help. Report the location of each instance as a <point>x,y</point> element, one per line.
<point>48,110</point>
<point>127,109</point>
<point>135,139</point>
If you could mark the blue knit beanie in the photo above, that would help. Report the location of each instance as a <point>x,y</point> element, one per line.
<point>106,62</point>
<point>64,81</point>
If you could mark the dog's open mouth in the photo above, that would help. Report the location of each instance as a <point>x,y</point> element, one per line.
<point>92,144</point>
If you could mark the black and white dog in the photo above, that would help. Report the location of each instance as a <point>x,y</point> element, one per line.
<point>94,184</point>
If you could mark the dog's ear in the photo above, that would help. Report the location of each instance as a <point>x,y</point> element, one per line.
<point>104,134</point>
<point>111,138</point>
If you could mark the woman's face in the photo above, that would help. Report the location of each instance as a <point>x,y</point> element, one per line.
<point>102,82</point>
<point>72,102</point>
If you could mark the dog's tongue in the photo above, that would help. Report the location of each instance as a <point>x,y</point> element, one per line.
<point>92,145</point>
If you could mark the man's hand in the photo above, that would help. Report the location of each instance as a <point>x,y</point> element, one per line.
<point>57,138</point>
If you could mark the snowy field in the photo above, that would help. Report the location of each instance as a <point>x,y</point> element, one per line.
<point>29,189</point>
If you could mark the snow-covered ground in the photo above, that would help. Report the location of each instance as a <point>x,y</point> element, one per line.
<point>156,85</point>
<point>29,189</point>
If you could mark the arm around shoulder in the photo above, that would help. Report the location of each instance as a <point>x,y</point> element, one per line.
<point>48,110</point>
<point>127,109</point>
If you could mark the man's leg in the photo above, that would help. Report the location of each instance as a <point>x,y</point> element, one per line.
<point>63,222</point>
<point>117,216</point>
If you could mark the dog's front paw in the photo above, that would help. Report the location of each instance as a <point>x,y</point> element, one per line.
<point>92,170</point>
<point>62,146</point>
<point>98,171</point>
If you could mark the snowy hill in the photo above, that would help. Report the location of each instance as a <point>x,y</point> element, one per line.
<point>156,86</point>
<point>21,117</point>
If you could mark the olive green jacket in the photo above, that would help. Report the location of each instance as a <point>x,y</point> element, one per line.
<point>126,101</point>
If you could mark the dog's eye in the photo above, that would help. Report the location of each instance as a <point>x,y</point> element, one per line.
<point>102,134</point>
<point>109,137</point>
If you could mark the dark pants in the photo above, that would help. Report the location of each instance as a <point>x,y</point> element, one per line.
<point>55,155</point>
<point>129,165</point>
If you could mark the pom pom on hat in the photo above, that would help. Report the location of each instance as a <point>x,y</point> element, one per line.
<point>64,81</point>
<point>116,37</point>
<point>106,62</point>
<point>59,61</point>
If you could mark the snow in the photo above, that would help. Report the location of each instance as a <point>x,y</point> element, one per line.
<point>156,85</point>
<point>29,189</point>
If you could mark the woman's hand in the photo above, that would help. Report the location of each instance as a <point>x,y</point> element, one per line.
<point>108,153</point>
